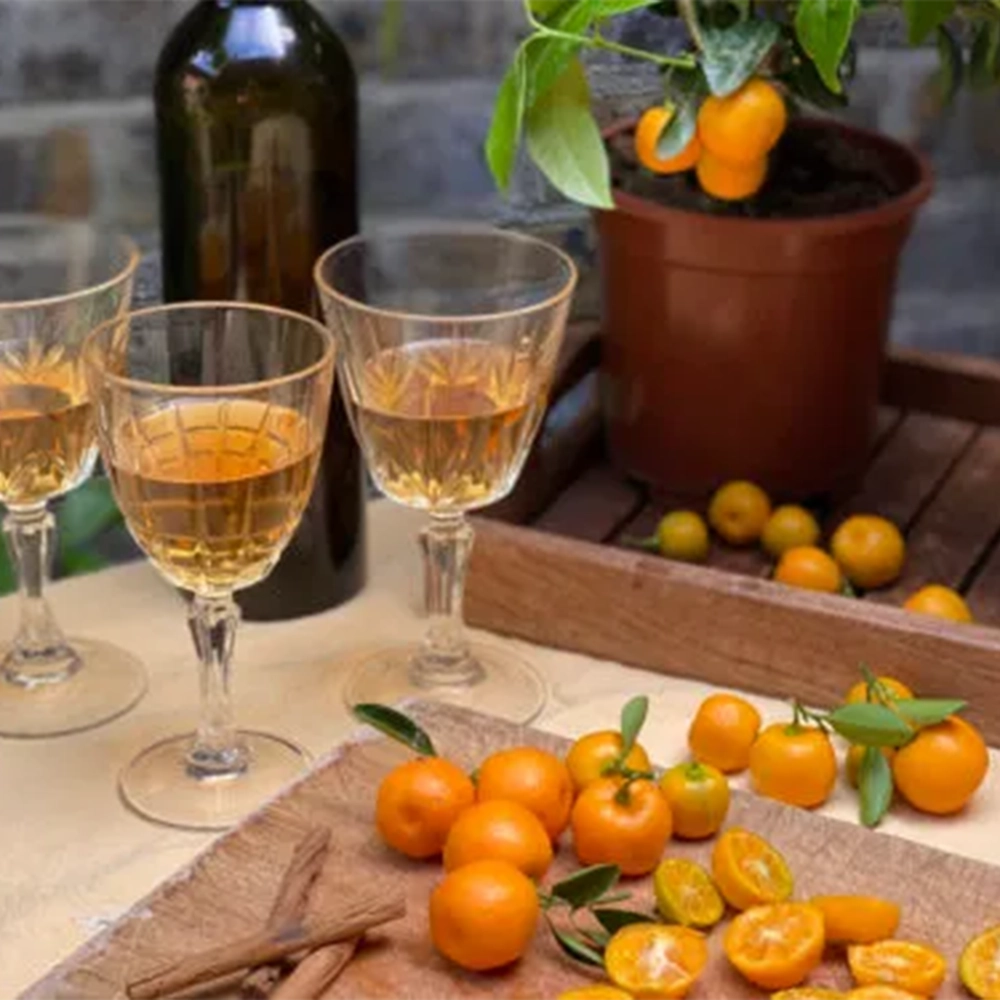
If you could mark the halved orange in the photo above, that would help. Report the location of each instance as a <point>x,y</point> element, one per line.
<point>685,894</point>
<point>857,919</point>
<point>906,964</point>
<point>654,960</point>
<point>748,870</point>
<point>979,966</point>
<point>776,946</point>
<point>880,992</point>
<point>595,991</point>
<point>808,993</point>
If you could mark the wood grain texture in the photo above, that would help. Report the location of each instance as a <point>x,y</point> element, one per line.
<point>718,627</point>
<point>594,507</point>
<point>944,898</point>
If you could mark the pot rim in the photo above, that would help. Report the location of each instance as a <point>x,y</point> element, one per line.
<point>888,212</point>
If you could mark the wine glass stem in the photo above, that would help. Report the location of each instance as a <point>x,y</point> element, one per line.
<point>444,658</point>
<point>40,653</point>
<point>217,750</point>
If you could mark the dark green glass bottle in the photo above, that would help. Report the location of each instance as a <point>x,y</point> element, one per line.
<point>256,115</point>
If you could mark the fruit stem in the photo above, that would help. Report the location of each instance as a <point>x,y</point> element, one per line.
<point>649,544</point>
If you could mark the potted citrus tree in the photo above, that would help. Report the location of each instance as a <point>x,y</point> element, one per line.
<point>749,246</point>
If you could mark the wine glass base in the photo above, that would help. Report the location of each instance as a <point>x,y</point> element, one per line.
<point>108,683</point>
<point>159,786</point>
<point>509,687</point>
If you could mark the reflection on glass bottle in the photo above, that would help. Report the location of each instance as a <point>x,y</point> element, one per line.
<point>256,105</point>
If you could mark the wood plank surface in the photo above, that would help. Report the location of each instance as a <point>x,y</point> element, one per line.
<point>718,627</point>
<point>594,507</point>
<point>229,890</point>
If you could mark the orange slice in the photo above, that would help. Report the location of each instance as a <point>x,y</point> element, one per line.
<point>808,993</point>
<point>686,895</point>
<point>776,946</point>
<point>880,992</point>
<point>653,960</point>
<point>748,870</point>
<point>979,966</point>
<point>906,964</point>
<point>857,919</point>
<point>596,991</point>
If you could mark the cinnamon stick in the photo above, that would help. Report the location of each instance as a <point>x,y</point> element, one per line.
<point>354,918</point>
<point>316,972</point>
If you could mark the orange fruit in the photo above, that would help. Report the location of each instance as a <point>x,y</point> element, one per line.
<point>880,991</point>
<point>910,966</point>
<point>852,763</point>
<point>749,871</point>
<point>807,993</point>
<point>698,795</point>
<point>939,770</point>
<point>418,802</point>
<point>483,916</point>
<point>793,764</point>
<point>979,965</point>
<point>647,133</point>
<point>683,535</point>
<point>857,919</point>
<point>776,946</point>
<point>537,779</point>
<point>892,687</point>
<point>590,755</point>
<point>789,527</point>
<point>503,831</point>
<point>940,602</point>
<point>809,568</point>
<point>595,991</point>
<point>742,128</point>
<point>739,511</point>
<point>653,960</point>
<point>722,732</point>
<point>685,894</point>
<point>730,182</point>
<point>869,550</point>
<point>624,824</point>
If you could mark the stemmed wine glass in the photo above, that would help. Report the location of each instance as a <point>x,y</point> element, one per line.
<point>211,418</point>
<point>58,280</point>
<point>447,345</point>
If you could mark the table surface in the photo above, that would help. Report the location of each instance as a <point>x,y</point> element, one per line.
<point>73,857</point>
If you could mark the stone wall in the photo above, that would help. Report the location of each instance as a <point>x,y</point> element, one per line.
<point>76,133</point>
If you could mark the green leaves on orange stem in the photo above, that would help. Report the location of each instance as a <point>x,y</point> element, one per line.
<point>875,786</point>
<point>396,726</point>
<point>823,28</point>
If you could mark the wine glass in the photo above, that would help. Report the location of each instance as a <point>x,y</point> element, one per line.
<point>58,280</point>
<point>447,345</point>
<point>211,418</point>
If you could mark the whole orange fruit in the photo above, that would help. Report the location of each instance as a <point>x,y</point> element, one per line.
<point>483,915</point>
<point>809,568</point>
<point>502,831</point>
<point>590,755</point>
<point>683,535</point>
<point>647,133</point>
<point>939,602</point>
<point>894,688</point>
<point>743,127</point>
<point>789,527</point>
<point>539,780</point>
<point>698,795</point>
<point>722,732</point>
<point>869,550</point>
<point>418,802</point>
<point>793,764</point>
<point>730,181</point>
<point>624,824</point>
<point>939,770</point>
<point>738,511</point>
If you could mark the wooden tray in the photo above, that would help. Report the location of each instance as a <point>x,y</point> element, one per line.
<point>934,470</point>
<point>229,890</point>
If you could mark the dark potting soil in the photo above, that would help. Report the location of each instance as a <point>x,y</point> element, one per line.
<point>814,172</point>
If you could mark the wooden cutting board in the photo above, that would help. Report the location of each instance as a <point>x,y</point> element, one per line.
<point>229,890</point>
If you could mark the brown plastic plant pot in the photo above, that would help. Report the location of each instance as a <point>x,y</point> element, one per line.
<point>750,348</point>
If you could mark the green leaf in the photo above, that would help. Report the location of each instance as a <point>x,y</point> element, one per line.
<point>612,8</point>
<point>823,29</point>
<point>874,785</point>
<point>927,711</point>
<point>395,725</point>
<point>803,80</point>
<point>614,920</point>
<point>548,57</point>
<point>923,16</point>
<point>730,56</point>
<point>685,92</point>
<point>565,142</point>
<point>575,948</point>
<point>633,718</point>
<point>870,724</point>
<point>544,9</point>
<point>984,56</point>
<point>950,72</point>
<point>504,136</point>
<point>586,885</point>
